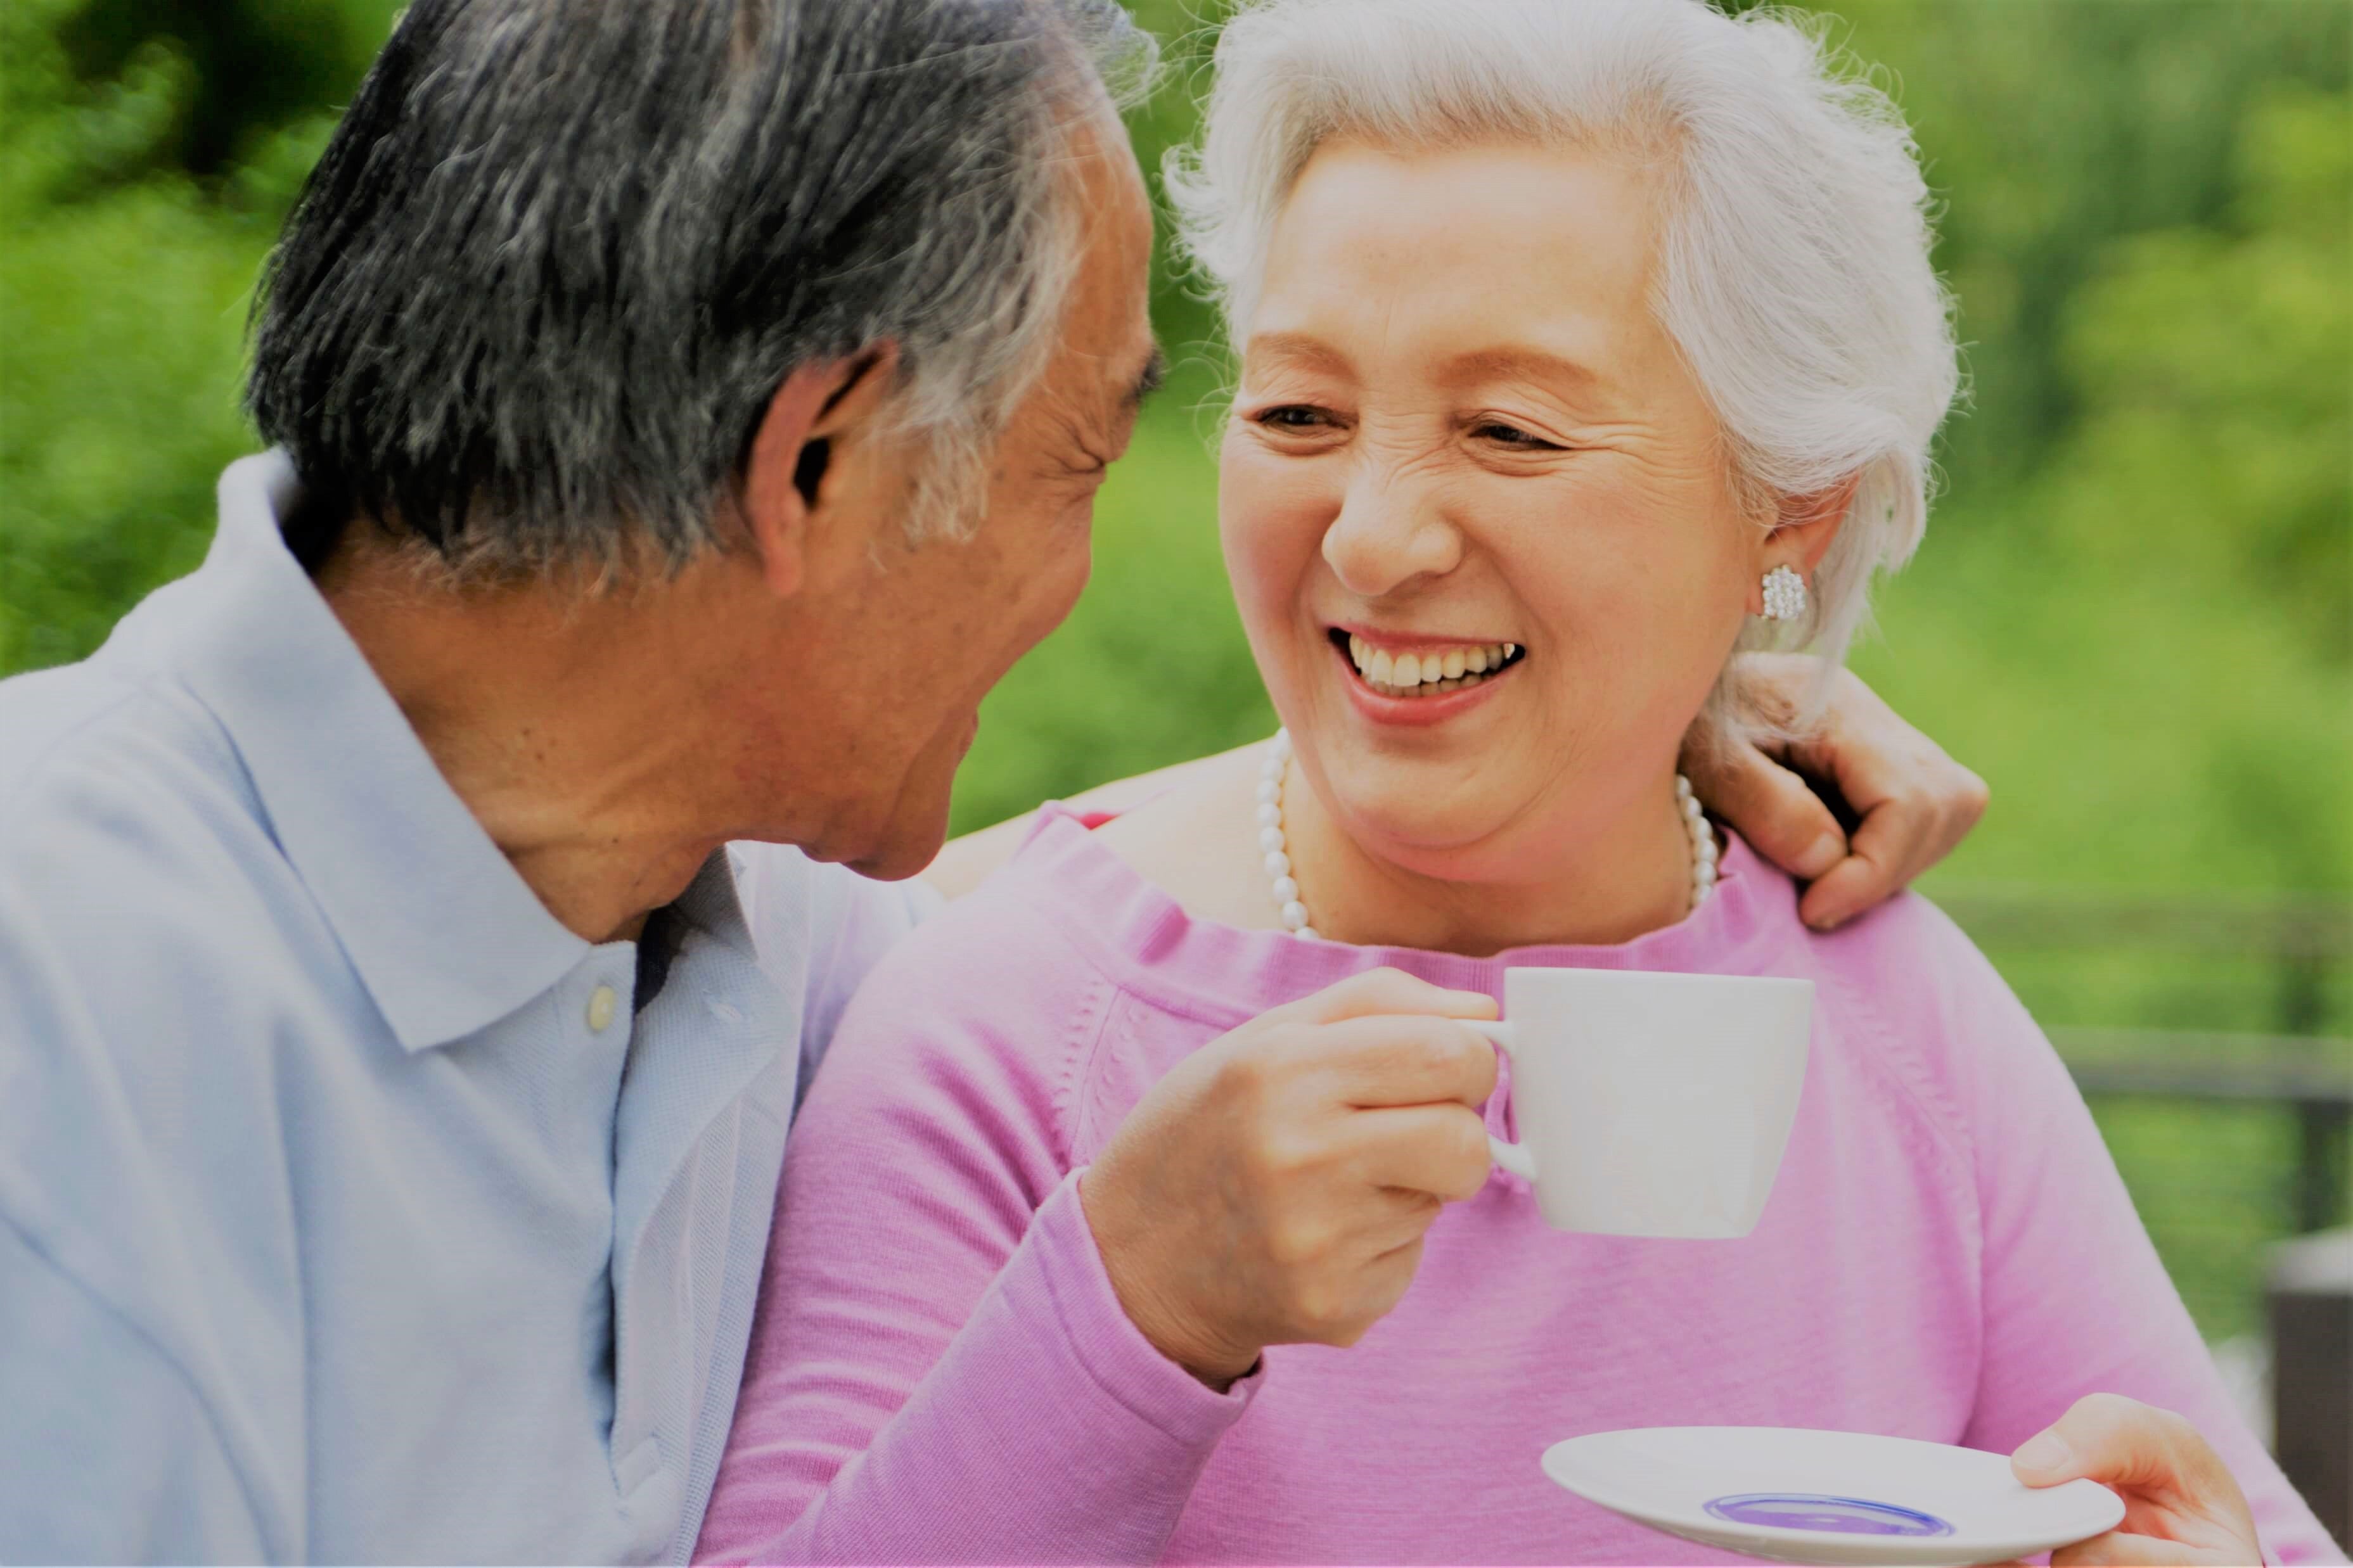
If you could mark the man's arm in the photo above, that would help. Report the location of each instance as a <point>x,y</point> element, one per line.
<point>1911,803</point>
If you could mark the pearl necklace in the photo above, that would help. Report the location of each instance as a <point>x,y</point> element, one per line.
<point>1293,904</point>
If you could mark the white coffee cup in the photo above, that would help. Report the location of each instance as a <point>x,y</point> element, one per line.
<point>1652,1104</point>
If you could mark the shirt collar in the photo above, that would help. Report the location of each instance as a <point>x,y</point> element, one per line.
<point>444,933</point>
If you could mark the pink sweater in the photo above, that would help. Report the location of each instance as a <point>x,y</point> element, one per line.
<point>940,1370</point>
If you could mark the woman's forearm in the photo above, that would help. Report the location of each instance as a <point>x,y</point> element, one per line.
<point>1047,1430</point>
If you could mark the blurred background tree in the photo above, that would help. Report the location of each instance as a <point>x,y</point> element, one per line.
<point>2134,613</point>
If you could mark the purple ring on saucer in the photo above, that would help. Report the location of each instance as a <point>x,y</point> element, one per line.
<point>1814,1511</point>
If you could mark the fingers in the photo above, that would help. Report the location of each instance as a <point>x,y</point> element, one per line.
<point>1395,1060</point>
<point>1886,852</point>
<point>1388,991</point>
<point>1914,802</point>
<point>1437,1149</point>
<point>1774,809</point>
<point>2122,1443</point>
<point>1910,822</point>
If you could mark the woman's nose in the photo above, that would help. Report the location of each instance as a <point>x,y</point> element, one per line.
<point>1387,534</point>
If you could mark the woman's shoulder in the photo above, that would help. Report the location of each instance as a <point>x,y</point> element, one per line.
<point>1918,995</point>
<point>997,951</point>
<point>972,1031</point>
<point>1196,841</point>
<point>1912,956</point>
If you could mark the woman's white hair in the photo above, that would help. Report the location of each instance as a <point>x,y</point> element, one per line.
<point>1794,269</point>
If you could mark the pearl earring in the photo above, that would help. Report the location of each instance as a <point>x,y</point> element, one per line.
<point>1784,595</point>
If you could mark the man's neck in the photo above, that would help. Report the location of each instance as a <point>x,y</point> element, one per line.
<point>563,720</point>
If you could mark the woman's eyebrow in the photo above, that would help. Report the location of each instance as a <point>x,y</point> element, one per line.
<point>1520,364</point>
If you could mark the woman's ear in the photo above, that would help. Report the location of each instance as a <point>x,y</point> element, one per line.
<point>793,472</point>
<point>1806,525</point>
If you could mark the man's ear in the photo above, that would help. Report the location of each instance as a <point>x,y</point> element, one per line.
<point>793,471</point>
<point>1806,525</point>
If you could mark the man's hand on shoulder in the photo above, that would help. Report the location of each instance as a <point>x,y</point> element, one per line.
<point>1910,802</point>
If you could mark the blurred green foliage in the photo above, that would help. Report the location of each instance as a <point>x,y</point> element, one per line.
<point>2134,613</point>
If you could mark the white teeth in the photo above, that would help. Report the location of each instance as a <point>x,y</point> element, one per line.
<point>1426,674</point>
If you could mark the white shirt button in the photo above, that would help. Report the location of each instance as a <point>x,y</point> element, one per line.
<point>600,1009</point>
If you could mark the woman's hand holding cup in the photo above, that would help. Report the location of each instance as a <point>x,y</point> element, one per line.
<point>1275,1186</point>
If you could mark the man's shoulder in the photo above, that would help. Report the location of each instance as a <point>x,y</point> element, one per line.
<point>96,753</point>
<point>154,947</point>
<point>153,944</point>
<point>132,848</point>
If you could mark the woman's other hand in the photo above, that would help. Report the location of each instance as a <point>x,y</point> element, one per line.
<point>1912,803</point>
<point>2181,1503</point>
<point>1274,1187</point>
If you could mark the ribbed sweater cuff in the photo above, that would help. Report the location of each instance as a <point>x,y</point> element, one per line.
<point>1114,1352</point>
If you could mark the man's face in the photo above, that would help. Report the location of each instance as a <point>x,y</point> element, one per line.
<point>894,645</point>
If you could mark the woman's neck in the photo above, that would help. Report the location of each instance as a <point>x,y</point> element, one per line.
<point>1627,873</point>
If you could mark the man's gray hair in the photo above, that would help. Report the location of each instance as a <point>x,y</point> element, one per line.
<point>560,255</point>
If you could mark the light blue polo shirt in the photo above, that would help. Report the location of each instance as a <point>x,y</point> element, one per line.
<point>350,1207</point>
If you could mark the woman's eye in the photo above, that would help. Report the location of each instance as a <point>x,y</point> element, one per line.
<point>1512,436</point>
<point>1289,416</point>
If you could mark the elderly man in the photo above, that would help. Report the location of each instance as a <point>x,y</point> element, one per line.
<point>683,414</point>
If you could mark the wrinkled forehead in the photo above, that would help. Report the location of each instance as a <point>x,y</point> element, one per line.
<point>1483,253</point>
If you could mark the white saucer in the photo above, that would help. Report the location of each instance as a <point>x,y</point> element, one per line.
<point>1798,1496</point>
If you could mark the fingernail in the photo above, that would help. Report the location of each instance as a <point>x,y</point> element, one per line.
<point>2043,1451</point>
<point>1826,921</point>
<point>1825,852</point>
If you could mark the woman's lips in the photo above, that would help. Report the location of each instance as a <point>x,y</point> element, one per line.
<point>1396,681</point>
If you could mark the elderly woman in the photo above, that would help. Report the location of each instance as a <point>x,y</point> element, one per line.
<point>1582,345</point>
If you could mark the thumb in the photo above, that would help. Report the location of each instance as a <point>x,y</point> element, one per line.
<point>2124,1444</point>
<point>1773,808</point>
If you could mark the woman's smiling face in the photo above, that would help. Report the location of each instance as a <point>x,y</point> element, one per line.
<point>1460,428</point>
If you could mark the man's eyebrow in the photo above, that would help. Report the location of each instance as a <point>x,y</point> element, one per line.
<point>1149,379</point>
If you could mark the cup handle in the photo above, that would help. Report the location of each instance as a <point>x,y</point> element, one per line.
<point>1512,1157</point>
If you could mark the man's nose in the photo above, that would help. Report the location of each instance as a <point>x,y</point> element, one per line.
<point>1389,531</point>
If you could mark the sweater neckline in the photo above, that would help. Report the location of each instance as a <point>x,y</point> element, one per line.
<point>1145,942</point>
